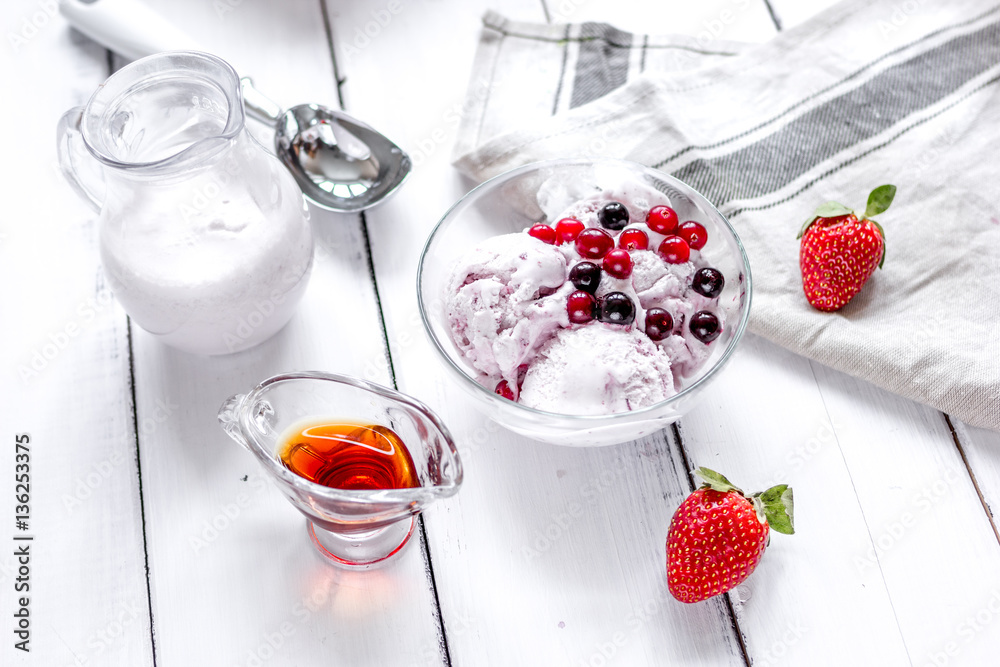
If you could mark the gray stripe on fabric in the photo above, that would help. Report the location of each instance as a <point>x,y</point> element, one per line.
<point>602,64</point>
<point>562,73</point>
<point>863,154</point>
<point>819,134</point>
<point>823,91</point>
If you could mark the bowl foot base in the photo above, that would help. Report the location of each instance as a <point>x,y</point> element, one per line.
<point>362,551</point>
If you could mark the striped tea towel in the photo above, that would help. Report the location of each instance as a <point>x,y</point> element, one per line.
<point>869,92</point>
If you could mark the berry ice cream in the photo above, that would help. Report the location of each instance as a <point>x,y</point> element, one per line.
<point>608,309</point>
<point>597,369</point>
<point>508,298</point>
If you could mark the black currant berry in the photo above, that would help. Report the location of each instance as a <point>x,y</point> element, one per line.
<point>705,326</point>
<point>708,282</point>
<point>659,324</point>
<point>585,276</point>
<point>617,308</point>
<point>613,216</point>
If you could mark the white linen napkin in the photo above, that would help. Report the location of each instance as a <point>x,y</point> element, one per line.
<point>869,92</point>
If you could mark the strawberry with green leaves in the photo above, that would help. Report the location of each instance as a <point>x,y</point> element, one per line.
<point>718,535</point>
<point>839,252</point>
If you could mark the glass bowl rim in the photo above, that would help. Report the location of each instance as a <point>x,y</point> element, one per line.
<point>347,495</point>
<point>631,415</point>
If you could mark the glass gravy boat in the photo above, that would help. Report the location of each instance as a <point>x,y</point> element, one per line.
<point>354,528</point>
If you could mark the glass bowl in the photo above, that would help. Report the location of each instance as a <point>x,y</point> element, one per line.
<point>510,203</point>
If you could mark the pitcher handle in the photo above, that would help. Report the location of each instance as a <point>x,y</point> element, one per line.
<point>89,182</point>
<point>128,27</point>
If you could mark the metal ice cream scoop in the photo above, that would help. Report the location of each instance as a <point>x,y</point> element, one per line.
<point>340,163</point>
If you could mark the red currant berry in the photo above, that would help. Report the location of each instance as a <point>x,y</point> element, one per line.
<point>580,307</point>
<point>568,229</point>
<point>662,219</point>
<point>674,250</point>
<point>503,389</point>
<point>618,263</point>
<point>543,233</point>
<point>633,239</point>
<point>659,323</point>
<point>695,235</point>
<point>594,243</point>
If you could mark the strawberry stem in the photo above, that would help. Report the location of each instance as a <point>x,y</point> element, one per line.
<point>777,506</point>
<point>714,480</point>
<point>830,209</point>
<point>880,199</point>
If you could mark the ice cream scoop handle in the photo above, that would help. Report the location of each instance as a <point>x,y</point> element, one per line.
<point>133,30</point>
<point>127,27</point>
<point>259,106</point>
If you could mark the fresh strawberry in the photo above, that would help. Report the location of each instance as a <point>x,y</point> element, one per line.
<point>718,535</point>
<point>839,252</point>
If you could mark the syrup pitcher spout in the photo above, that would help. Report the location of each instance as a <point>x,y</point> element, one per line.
<point>228,417</point>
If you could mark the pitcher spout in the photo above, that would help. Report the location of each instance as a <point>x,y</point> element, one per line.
<point>229,419</point>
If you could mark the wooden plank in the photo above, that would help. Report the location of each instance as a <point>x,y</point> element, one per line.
<point>924,514</point>
<point>569,557</point>
<point>981,449</point>
<point>882,502</point>
<point>561,548</point>
<point>223,543</point>
<point>65,355</point>
<point>974,628</point>
<point>766,423</point>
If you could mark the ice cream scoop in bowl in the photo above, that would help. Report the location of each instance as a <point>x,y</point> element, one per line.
<point>359,460</point>
<point>584,302</point>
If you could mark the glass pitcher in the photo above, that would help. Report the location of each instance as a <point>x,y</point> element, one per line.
<point>204,236</point>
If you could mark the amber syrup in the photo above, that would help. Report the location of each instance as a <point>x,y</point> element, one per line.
<point>344,455</point>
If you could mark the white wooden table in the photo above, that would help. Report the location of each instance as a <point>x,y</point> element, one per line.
<point>158,542</point>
